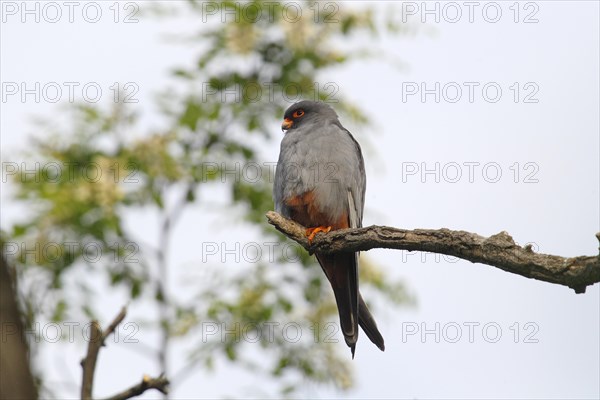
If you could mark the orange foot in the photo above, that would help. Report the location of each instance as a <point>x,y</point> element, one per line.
<point>311,232</point>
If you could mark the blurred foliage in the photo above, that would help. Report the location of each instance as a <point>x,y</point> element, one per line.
<point>249,70</point>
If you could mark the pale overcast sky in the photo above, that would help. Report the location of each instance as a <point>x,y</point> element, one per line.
<point>512,144</point>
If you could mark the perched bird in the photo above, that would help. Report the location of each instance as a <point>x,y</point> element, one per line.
<point>320,183</point>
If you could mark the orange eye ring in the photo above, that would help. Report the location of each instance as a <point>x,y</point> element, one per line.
<point>298,113</point>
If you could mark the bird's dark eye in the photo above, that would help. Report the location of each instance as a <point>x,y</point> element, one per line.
<point>298,113</point>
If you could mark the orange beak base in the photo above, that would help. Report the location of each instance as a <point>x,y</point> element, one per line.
<point>287,124</point>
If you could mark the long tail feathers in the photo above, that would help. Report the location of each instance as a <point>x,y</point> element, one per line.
<point>342,272</point>
<point>368,324</point>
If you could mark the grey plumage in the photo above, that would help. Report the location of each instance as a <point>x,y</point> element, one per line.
<point>320,181</point>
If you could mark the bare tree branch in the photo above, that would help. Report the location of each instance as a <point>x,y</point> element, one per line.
<point>113,325</point>
<point>161,384</point>
<point>97,338</point>
<point>89,362</point>
<point>498,250</point>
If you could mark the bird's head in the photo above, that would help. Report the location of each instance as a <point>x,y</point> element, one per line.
<point>306,112</point>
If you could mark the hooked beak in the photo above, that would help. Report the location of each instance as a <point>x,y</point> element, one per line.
<point>287,124</point>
